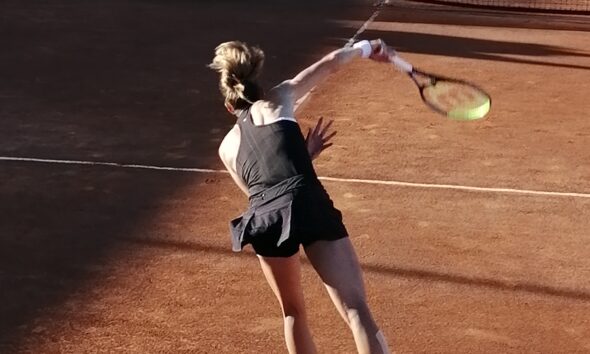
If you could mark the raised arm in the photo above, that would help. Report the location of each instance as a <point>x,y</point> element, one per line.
<point>320,70</point>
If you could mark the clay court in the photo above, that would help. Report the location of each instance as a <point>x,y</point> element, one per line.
<point>474,236</point>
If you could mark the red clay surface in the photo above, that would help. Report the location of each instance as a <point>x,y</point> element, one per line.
<point>104,259</point>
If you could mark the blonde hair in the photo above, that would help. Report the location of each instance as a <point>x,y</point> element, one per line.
<point>239,66</point>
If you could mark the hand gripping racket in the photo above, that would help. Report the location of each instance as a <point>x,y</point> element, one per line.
<point>455,99</point>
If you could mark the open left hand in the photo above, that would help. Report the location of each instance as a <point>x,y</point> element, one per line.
<point>317,140</point>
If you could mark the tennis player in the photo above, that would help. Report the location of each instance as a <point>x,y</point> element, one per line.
<point>270,160</point>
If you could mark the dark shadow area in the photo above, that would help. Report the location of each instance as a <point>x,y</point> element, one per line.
<point>400,272</point>
<point>472,48</point>
<point>116,81</point>
<point>429,12</point>
<point>58,223</point>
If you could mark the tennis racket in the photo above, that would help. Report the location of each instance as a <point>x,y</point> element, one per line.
<point>455,99</point>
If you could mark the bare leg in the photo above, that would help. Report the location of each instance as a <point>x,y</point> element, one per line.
<point>284,277</point>
<point>337,265</point>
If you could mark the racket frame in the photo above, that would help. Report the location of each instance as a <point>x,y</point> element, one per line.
<point>429,79</point>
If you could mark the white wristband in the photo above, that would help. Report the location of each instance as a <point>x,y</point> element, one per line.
<point>365,46</point>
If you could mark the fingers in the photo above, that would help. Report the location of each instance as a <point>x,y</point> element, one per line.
<point>318,126</point>
<point>382,47</point>
<point>326,146</point>
<point>329,137</point>
<point>381,51</point>
<point>325,129</point>
<point>320,131</point>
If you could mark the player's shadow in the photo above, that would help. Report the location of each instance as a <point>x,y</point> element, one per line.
<point>476,48</point>
<point>387,270</point>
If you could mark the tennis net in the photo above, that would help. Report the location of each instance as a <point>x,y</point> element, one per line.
<point>542,5</point>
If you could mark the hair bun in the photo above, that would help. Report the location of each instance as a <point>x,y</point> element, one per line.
<point>239,66</point>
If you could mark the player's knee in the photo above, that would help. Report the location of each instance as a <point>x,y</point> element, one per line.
<point>354,297</point>
<point>356,302</point>
<point>294,319</point>
<point>353,317</point>
<point>293,310</point>
<point>358,315</point>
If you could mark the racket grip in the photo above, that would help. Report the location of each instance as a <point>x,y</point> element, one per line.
<point>401,64</point>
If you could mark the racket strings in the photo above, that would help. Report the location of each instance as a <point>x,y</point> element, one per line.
<point>457,99</point>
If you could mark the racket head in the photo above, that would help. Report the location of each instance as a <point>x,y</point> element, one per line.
<point>456,99</point>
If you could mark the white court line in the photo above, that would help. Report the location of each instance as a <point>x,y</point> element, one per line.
<point>458,187</point>
<point>112,164</point>
<point>331,179</point>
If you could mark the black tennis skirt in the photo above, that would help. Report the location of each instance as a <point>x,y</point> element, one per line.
<point>281,218</point>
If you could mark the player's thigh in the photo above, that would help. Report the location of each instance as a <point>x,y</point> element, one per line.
<point>283,274</point>
<point>337,264</point>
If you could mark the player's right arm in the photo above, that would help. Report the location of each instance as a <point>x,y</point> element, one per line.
<point>311,76</point>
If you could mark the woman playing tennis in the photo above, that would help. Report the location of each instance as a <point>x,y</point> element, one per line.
<point>270,160</point>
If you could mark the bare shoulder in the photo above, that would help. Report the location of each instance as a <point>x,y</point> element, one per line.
<point>281,93</point>
<point>278,103</point>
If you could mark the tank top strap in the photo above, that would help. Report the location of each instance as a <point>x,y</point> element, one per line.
<point>247,127</point>
<point>244,117</point>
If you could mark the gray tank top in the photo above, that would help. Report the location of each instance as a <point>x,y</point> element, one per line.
<point>269,154</point>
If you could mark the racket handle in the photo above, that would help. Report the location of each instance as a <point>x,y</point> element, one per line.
<point>400,63</point>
